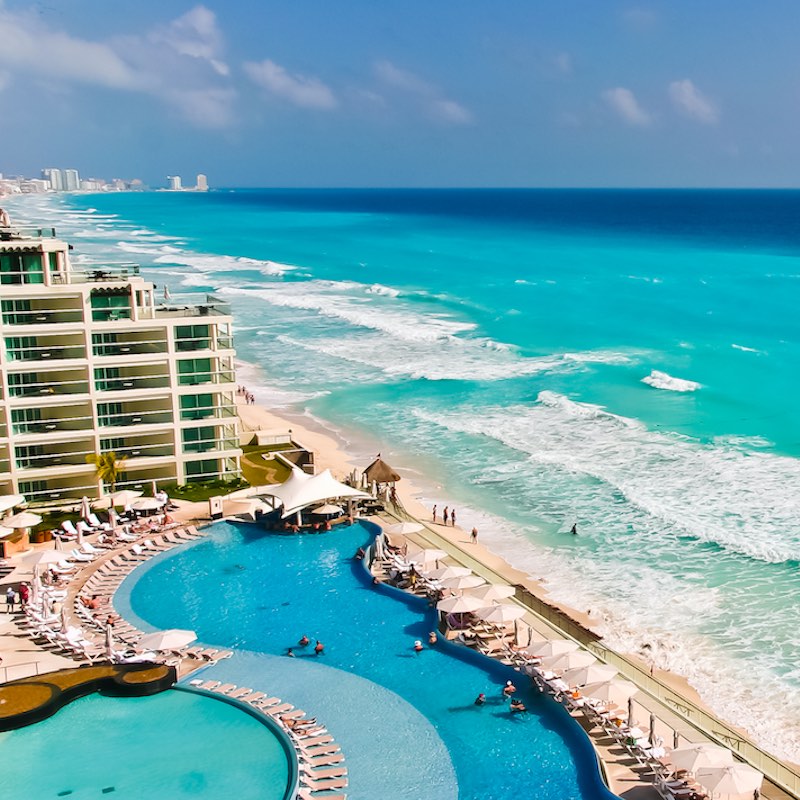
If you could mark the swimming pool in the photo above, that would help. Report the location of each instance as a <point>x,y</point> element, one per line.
<point>176,744</point>
<point>257,591</point>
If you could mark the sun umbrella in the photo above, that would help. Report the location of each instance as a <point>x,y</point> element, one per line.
<point>404,528</point>
<point>594,673</point>
<point>443,573</point>
<point>85,510</point>
<point>8,501</point>
<point>573,660</point>
<point>549,648</point>
<point>465,582</point>
<point>500,614</point>
<point>462,604</point>
<point>737,779</point>
<point>492,591</point>
<point>4,531</point>
<point>427,556</point>
<point>124,497</point>
<point>328,509</point>
<point>25,519</point>
<point>146,504</point>
<point>171,639</point>
<point>614,692</point>
<point>704,754</point>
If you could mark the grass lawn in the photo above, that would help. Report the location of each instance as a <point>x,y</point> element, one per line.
<point>259,471</point>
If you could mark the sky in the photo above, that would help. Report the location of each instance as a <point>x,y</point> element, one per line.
<point>444,93</point>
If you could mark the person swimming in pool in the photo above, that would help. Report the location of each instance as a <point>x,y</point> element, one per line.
<point>304,641</point>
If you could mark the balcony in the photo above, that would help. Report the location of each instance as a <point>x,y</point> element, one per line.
<point>55,424</point>
<point>59,458</point>
<point>43,386</point>
<point>202,378</point>
<point>131,383</point>
<point>100,273</point>
<point>52,316</point>
<point>127,346</point>
<point>209,445</point>
<point>8,234</point>
<point>126,419</point>
<point>208,412</point>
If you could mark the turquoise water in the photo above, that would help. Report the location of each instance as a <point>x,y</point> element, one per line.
<point>497,344</point>
<point>261,592</point>
<point>172,745</point>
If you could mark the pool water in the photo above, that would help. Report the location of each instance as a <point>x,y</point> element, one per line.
<point>173,745</point>
<point>245,588</point>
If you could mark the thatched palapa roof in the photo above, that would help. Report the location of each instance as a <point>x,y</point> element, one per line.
<point>380,472</point>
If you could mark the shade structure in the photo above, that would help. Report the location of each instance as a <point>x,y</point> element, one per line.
<point>380,472</point>
<point>614,692</point>
<point>702,755</point>
<point>43,557</point>
<point>492,591</point>
<point>301,490</point>
<point>428,556</point>
<point>462,604</point>
<point>465,582</point>
<point>443,573</point>
<point>404,528</point>
<point>500,614</point>
<point>549,648</point>
<point>124,497</point>
<point>327,510</point>
<point>8,501</point>
<point>25,519</point>
<point>734,779</point>
<point>593,673</point>
<point>146,504</point>
<point>171,639</point>
<point>573,660</point>
<point>85,509</point>
<point>4,531</point>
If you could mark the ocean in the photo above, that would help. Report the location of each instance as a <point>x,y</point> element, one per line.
<point>622,360</point>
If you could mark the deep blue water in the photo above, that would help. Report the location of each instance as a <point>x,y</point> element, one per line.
<point>623,359</point>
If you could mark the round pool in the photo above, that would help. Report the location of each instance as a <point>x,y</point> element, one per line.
<point>171,745</point>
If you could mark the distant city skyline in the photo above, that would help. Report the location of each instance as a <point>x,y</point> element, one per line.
<point>447,94</point>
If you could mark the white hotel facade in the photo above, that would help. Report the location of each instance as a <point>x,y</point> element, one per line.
<point>91,363</point>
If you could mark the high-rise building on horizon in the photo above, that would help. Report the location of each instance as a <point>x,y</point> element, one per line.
<point>55,178</point>
<point>175,183</point>
<point>90,363</point>
<point>202,183</point>
<point>72,180</point>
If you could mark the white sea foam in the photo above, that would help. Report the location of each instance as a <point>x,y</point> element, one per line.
<point>386,291</point>
<point>745,349</point>
<point>661,380</point>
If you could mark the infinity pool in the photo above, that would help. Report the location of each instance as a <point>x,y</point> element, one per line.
<point>176,744</point>
<point>244,588</point>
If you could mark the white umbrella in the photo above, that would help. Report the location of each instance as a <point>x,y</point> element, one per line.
<point>112,518</point>
<point>500,614</point>
<point>327,510</point>
<point>403,528</point>
<point>465,582</point>
<point>427,556</point>
<point>611,692</point>
<point>25,519</point>
<point>737,779</point>
<point>462,604</point>
<point>549,648</point>
<point>167,295</point>
<point>8,501</point>
<point>147,504</point>
<point>64,622</point>
<point>124,497</point>
<point>443,573</point>
<point>573,660</point>
<point>4,531</point>
<point>594,673</point>
<point>85,510</point>
<point>492,591</point>
<point>704,754</point>
<point>172,639</point>
<point>109,643</point>
<point>43,557</point>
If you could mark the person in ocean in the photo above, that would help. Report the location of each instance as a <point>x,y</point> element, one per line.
<point>574,529</point>
<point>434,512</point>
<point>445,514</point>
<point>453,517</point>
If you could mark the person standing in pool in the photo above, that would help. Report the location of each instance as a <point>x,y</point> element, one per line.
<point>480,699</point>
<point>319,648</point>
<point>304,641</point>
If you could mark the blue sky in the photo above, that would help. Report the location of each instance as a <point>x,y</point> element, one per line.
<point>370,93</point>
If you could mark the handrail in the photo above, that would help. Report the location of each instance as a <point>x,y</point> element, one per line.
<point>26,673</point>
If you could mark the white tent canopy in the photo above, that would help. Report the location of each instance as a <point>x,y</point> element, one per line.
<point>8,501</point>
<point>301,490</point>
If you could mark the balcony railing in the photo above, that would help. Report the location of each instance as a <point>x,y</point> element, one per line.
<point>189,345</point>
<point>55,494</point>
<point>45,388</point>
<point>53,425</point>
<point>208,412</point>
<point>207,445</point>
<point>199,378</point>
<point>57,459</point>
<point>45,352</point>
<point>102,273</point>
<point>134,382</point>
<point>141,347</point>
<point>145,450</point>
<point>111,314</point>
<point>42,317</point>
<point>19,277</point>
<point>127,418</point>
<point>8,234</point>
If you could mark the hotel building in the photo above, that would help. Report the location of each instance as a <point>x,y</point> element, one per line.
<point>91,363</point>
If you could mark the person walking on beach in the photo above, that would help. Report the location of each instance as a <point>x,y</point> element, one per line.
<point>453,517</point>
<point>434,512</point>
<point>10,597</point>
<point>474,536</point>
<point>445,514</point>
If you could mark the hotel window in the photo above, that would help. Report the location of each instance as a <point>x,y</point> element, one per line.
<point>199,440</point>
<point>198,470</point>
<point>106,379</point>
<point>192,337</point>
<point>193,371</point>
<point>24,420</point>
<point>110,414</point>
<point>28,456</point>
<point>16,312</point>
<point>197,406</point>
<point>21,348</point>
<point>108,306</point>
<point>18,381</point>
<point>21,268</point>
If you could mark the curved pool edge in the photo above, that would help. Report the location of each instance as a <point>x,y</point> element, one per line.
<point>288,748</point>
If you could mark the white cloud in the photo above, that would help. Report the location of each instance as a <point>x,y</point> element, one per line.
<point>195,34</point>
<point>435,103</point>
<point>689,100</point>
<point>300,90</point>
<point>624,102</point>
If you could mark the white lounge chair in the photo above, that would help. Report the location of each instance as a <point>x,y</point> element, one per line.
<point>96,524</point>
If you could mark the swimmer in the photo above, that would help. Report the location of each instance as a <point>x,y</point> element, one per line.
<point>509,689</point>
<point>304,641</point>
<point>432,637</point>
<point>480,699</point>
<point>517,706</point>
<point>290,653</point>
<point>418,647</point>
<point>319,647</point>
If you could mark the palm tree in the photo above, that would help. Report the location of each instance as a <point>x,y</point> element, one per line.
<point>107,466</point>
